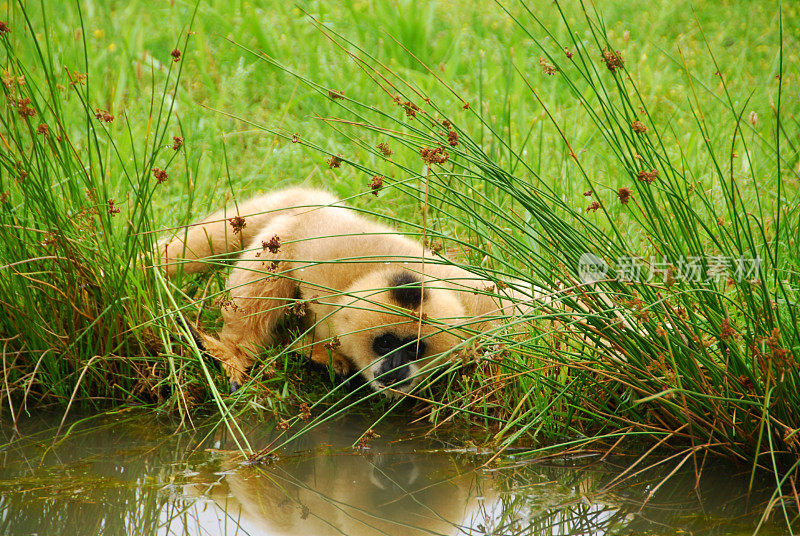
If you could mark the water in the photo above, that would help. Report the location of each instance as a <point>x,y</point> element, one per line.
<point>133,474</point>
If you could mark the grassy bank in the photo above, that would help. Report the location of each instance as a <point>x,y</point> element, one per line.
<point>660,140</point>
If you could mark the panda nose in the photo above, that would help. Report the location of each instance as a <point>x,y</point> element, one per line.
<point>393,369</point>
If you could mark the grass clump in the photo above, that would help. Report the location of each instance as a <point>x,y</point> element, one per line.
<point>78,322</point>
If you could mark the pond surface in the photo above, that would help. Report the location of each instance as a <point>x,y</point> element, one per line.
<point>133,474</point>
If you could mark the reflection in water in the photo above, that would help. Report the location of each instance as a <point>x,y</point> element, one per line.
<point>344,494</point>
<point>133,475</point>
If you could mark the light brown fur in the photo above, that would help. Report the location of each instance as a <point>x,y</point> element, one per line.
<point>340,264</point>
<point>344,494</point>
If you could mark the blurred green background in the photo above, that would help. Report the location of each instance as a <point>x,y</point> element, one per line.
<point>470,44</point>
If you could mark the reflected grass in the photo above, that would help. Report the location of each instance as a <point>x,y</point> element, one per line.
<point>129,474</point>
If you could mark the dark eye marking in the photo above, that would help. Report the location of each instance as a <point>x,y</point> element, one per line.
<point>406,290</point>
<point>410,348</point>
<point>386,343</point>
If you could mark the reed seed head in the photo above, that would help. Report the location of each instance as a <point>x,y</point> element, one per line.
<point>237,224</point>
<point>547,68</point>
<point>273,245</point>
<point>383,147</point>
<point>612,59</point>
<point>334,161</point>
<point>160,175</point>
<point>452,138</point>
<point>376,184</point>
<point>437,155</point>
<point>333,344</point>
<point>410,108</point>
<point>647,176</point>
<point>77,79</point>
<point>103,115</point>
<point>23,107</point>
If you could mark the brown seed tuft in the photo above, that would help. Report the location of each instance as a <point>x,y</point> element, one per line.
<point>237,224</point>
<point>647,176</point>
<point>727,331</point>
<point>410,108</point>
<point>103,115</point>
<point>9,80</point>
<point>295,138</point>
<point>624,195</point>
<point>436,155</point>
<point>639,127</point>
<point>43,130</point>
<point>177,143</point>
<point>568,53</point>
<point>112,208</point>
<point>383,147</point>
<point>176,55</point>
<point>335,94</point>
<point>23,108</point>
<point>4,28</point>
<point>547,68</point>
<point>466,106</point>
<point>334,161</point>
<point>366,439</point>
<point>587,193</point>
<point>612,59</point>
<point>305,414</point>
<point>446,124</point>
<point>376,184</point>
<point>22,174</point>
<point>160,174</point>
<point>273,245</point>
<point>333,344</point>
<point>452,138</point>
<point>746,382</point>
<point>77,79</point>
<point>50,239</point>
<point>299,308</point>
<point>593,206</point>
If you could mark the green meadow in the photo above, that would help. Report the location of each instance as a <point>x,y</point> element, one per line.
<point>661,138</point>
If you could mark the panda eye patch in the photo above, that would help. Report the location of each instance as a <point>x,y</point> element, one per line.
<point>386,343</point>
<point>410,348</point>
<point>413,348</point>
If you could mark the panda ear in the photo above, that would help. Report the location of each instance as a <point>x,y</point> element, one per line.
<point>405,289</point>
